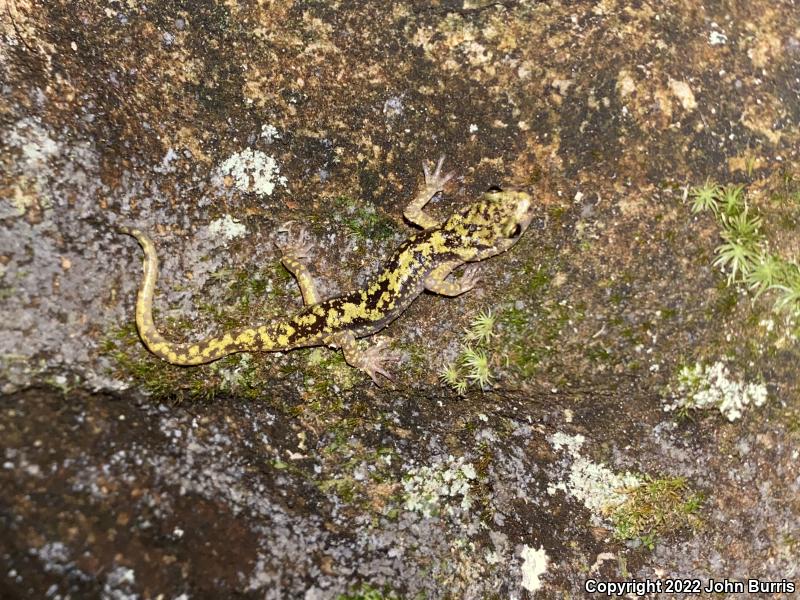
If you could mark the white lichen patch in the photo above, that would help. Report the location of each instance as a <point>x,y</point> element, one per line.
<point>232,377</point>
<point>717,37</point>
<point>270,133</point>
<point>227,227</point>
<point>55,557</point>
<point>118,584</point>
<point>684,94</point>
<point>596,486</point>
<point>34,142</point>
<point>34,148</point>
<point>431,490</point>
<point>704,387</point>
<point>251,171</point>
<point>534,565</point>
<point>625,84</point>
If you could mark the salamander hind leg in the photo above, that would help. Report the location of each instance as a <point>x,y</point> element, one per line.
<point>296,247</point>
<point>437,282</point>
<point>434,183</point>
<point>371,360</point>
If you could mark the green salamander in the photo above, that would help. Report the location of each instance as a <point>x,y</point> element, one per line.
<point>486,228</point>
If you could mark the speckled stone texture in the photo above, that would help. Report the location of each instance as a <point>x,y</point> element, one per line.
<point>209,124</point>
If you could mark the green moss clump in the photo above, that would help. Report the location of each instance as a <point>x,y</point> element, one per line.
<point>249,292</point>
<point>527,338</point>
<point>326,375</point>
<point>474,364</point>
<point>367,592</point>
<point>744,253</point>
<point>362,221</point>
<point>655,508</point>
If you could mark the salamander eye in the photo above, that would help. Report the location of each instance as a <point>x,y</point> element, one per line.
<point>495,188</point>
<point>517,231</point>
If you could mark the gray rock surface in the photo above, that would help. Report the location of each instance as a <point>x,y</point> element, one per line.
<point>209,124</point>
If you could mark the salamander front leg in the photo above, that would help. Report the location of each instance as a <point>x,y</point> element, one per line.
<point>297,247</point>
<point>498,248</point>
<point>370,361</point>
<point>434,183</point>
<point>437,282</point>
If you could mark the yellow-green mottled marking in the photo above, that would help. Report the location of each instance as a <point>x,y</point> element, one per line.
<point>486,228</point>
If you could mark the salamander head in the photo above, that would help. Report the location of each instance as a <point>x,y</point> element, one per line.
<point>491,225</point>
